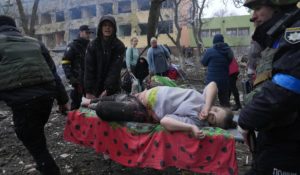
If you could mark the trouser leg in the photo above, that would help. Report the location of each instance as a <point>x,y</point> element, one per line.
<point>120,111</point>
<point>234,90</point>
<point>29,120</point>
<point>76,95</point>
<point>224,97</point>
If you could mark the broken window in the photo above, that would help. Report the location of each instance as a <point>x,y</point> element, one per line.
<point>59,36</point>
<point>213,32</point>
<point>107,8</point>
<point>143,28</point>
<point>243,31</point>
<point>50,40</point>
<point>60,16</point>
<point>204,33</point>
<point>46,18</point>
<point>124,6</point>
<point>89,11</point>
<point>143,4</point>
<point>165,27</point>
<point>75,13</point>
<point>73,34</point>
<point>167,4</point>
<point>125,30</point>
<point>231,31</point>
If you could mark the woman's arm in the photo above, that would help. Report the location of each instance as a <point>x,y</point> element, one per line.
<point>174,125</point>
<point>210,93</point>
<point>128,58</point>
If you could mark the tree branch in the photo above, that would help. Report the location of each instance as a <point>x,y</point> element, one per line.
<point>33,17</point>
<point>23,17</point>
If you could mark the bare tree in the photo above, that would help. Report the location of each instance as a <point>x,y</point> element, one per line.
<point>176,41</point>
<point>28,27</point>
<point>5,7</point>
<point>153,18</point>
<point>237,3</point>
<point>197,22</point>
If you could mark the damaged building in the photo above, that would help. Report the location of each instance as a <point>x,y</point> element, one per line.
<point>58,20</point>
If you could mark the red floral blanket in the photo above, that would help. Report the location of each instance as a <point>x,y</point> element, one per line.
<point>148,145</point>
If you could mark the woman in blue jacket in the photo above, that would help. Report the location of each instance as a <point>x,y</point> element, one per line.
<point>217,60</point>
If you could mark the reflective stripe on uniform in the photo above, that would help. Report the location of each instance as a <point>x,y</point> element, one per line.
<point>287,81</point>
<point>65,62</point>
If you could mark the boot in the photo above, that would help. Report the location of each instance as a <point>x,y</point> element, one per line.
<point>48,169</point>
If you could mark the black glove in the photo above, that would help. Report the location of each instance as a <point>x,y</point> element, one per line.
<point>74,82</point>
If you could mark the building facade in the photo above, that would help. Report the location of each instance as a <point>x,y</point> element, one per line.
<point>58,20</point>
<point>237,31</point>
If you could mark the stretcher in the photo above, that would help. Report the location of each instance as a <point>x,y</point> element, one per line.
<point>150,145</point>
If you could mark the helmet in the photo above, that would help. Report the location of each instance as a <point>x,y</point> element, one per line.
<point>251,3</point>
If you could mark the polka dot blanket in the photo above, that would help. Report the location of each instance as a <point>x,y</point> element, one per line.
<point>149,145</point>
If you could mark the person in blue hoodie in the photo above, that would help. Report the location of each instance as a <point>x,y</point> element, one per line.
<point>217,60</point>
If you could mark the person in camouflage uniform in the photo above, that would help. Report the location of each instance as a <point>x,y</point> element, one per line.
<point>273,108</point>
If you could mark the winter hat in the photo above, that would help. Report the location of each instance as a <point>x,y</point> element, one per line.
<point>6,20</point>
<point>218,38</point>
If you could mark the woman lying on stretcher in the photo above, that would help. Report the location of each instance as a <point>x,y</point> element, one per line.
<point>174,108</point>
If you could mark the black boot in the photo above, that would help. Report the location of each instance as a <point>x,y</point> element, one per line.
<point>46,164</point>
<point>49,169</point>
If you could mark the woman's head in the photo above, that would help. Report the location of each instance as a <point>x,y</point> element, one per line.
<point>221,117</point>
<point>153,42</point>
<point>134,41</point>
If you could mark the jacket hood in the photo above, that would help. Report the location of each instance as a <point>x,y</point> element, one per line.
<point>9,30</point>
<point>218,38</point>
<point>223,48</point>
<point>106,18</point>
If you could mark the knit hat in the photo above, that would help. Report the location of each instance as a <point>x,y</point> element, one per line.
<point>218,38</point>
<point>6,20</point>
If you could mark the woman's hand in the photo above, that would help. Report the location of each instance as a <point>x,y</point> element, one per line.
<point>204,112</point>
<point>197,132</point>
<point>104,93</point>
<point>85,102</point>
<point>90,96</point>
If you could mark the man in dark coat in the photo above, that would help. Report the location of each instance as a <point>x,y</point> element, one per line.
<point>73,64</point>
<point>29,85</point>
<point>274,109</point>
<point>103,61</point>
<point>217,60</point>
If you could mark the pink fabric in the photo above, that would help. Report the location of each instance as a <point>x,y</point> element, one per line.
<point>158,149</point>
<point>233,67</point>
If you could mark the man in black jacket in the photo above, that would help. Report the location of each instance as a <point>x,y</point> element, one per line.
<point>73,64</point>
<point>274,109</point>
<point>103,61</point>
<point>29,85</point>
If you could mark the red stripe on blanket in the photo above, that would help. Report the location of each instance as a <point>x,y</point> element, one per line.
<point>214,154</point>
